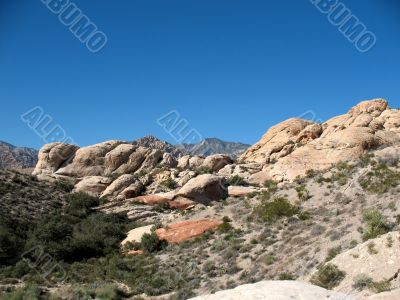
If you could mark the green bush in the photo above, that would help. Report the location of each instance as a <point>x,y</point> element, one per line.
<point>286,276</point>
<point>302,192</point>
<point>170,183</point>
<point>333,252</point>
<point>204,170</point>
<point>276,209</point>
<point>151,243</point>
<point>271,185</point>
<point>237,180</point>
<point>376,224</point>
<point>328,276</point>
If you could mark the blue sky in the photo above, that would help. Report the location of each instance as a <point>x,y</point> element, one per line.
<point>231,68</point>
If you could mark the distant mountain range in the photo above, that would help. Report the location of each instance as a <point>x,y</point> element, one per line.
<point>206,147</point>
<point>211,146</point>
<point>12,157</point>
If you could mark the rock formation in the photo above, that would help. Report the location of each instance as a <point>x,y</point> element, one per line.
<point>182,231</point>
<point>291,148</point>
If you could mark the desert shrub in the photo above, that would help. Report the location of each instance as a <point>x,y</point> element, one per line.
<point>69,238</point>
<point>328,276</point>
<point>271,185</point>
<point>275,209</point>
<point>333,252</point>
<point>169,183</point>
<point>304,215</point>
<point>64,186</point>
<point>80,204</point>
<point>286,276</point>
<point>310,173</point>
<point>376,224</point>
<point>371,248</point>
<point>203,170</point>
<point>380,179</point>
<point>151,243</point>
<point>237,180</point>
<point>380,286</point>
<point>302,192</point>
<point>362,281</point>
<point>268,259</point>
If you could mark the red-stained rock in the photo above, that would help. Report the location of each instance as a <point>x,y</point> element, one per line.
<point>152,199</point>
<point>179,232</point>
<point>181,203</point>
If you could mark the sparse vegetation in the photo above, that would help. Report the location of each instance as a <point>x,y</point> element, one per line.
<point>170,183</point>
<point>237,180</point>
<point>380,179</point>
<point>376,224</point>
<point>328,276</point>
<point>302,192</point>
<point>271,185</point>
<point>380,286</point>
<point>362,281</point>
<point>332,253</point>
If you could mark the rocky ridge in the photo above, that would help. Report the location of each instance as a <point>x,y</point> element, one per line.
<point>210,146</point>
<point>12,157</point>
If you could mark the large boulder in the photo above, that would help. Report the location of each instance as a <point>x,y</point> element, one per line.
<point>216,162</point>
<point>118,185</point>
<point>204,188</point>
<point>135,235</point>
<point>92,185</point>
<point>89,161</point>
<point>276,290</point>
<point>179,232</point>
<point>52,156</point>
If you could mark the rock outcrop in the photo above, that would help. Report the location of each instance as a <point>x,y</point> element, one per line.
<point>276,290</point>
<point>135,235</point>
<point>204,188</point>
<point>179,232</point>
<point>154,143</point>
<point>291,148</point>
<point>378,259</point>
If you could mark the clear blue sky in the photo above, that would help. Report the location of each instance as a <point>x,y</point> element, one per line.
<point>232,68</point>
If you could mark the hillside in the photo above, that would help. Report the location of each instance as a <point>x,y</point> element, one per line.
<point>140,222</point>
<point>12,157</point>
